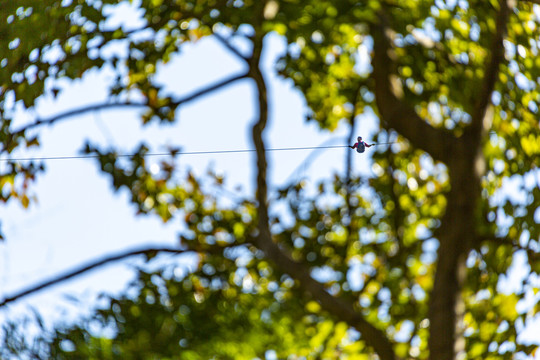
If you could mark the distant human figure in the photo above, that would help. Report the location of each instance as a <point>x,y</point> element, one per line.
<point>360,146</point>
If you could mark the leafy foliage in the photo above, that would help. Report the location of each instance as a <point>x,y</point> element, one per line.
<point>186,319</point>
<point>372,243</point>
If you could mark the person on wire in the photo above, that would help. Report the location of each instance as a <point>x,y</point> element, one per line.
<point>360,146</point>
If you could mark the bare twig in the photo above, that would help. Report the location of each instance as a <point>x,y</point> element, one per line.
<point>229,46</point>
<point>209,89</point>
<point>80,111</point>
<point>150,252</point>
<point>89,108</point>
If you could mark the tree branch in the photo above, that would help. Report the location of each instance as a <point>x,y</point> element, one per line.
<point>492,70</point>
<point>150,252</point>
<point>231,48</point>
<point>394,111</point>
<point>79,111</point>
<point>209,89</point>
<point>89,108</point>
<point>338,307</point>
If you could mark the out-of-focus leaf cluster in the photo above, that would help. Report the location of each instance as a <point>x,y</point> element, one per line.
<point>170,316</point>
<point>324,56</point>
<point>152,185</point>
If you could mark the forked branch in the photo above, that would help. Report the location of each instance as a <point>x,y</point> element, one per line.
<point>92,265</point>
<point>394,111</point>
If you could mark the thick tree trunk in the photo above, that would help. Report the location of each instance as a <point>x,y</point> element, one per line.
<point>465,162</point>
<point>457,234</point>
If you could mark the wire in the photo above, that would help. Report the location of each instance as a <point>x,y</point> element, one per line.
<point>90,156</point>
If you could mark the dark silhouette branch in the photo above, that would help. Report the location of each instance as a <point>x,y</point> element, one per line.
<point>228,45</point>
<point>209,89</point>
<point>80,111</point>
<point>103,106</point>
<point>394,111</point>
<point>92,265</point>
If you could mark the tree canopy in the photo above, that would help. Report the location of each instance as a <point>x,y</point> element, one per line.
<point>407,263</point>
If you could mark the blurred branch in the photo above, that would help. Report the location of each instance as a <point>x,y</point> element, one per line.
<point>85,109</point>
<point>149,252</point>
<point>492,69</point>
<point>209,89</point>
<point>394,111</point>
<point>260,124</point>
<point>229,46</point>
<point>79,111</point>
